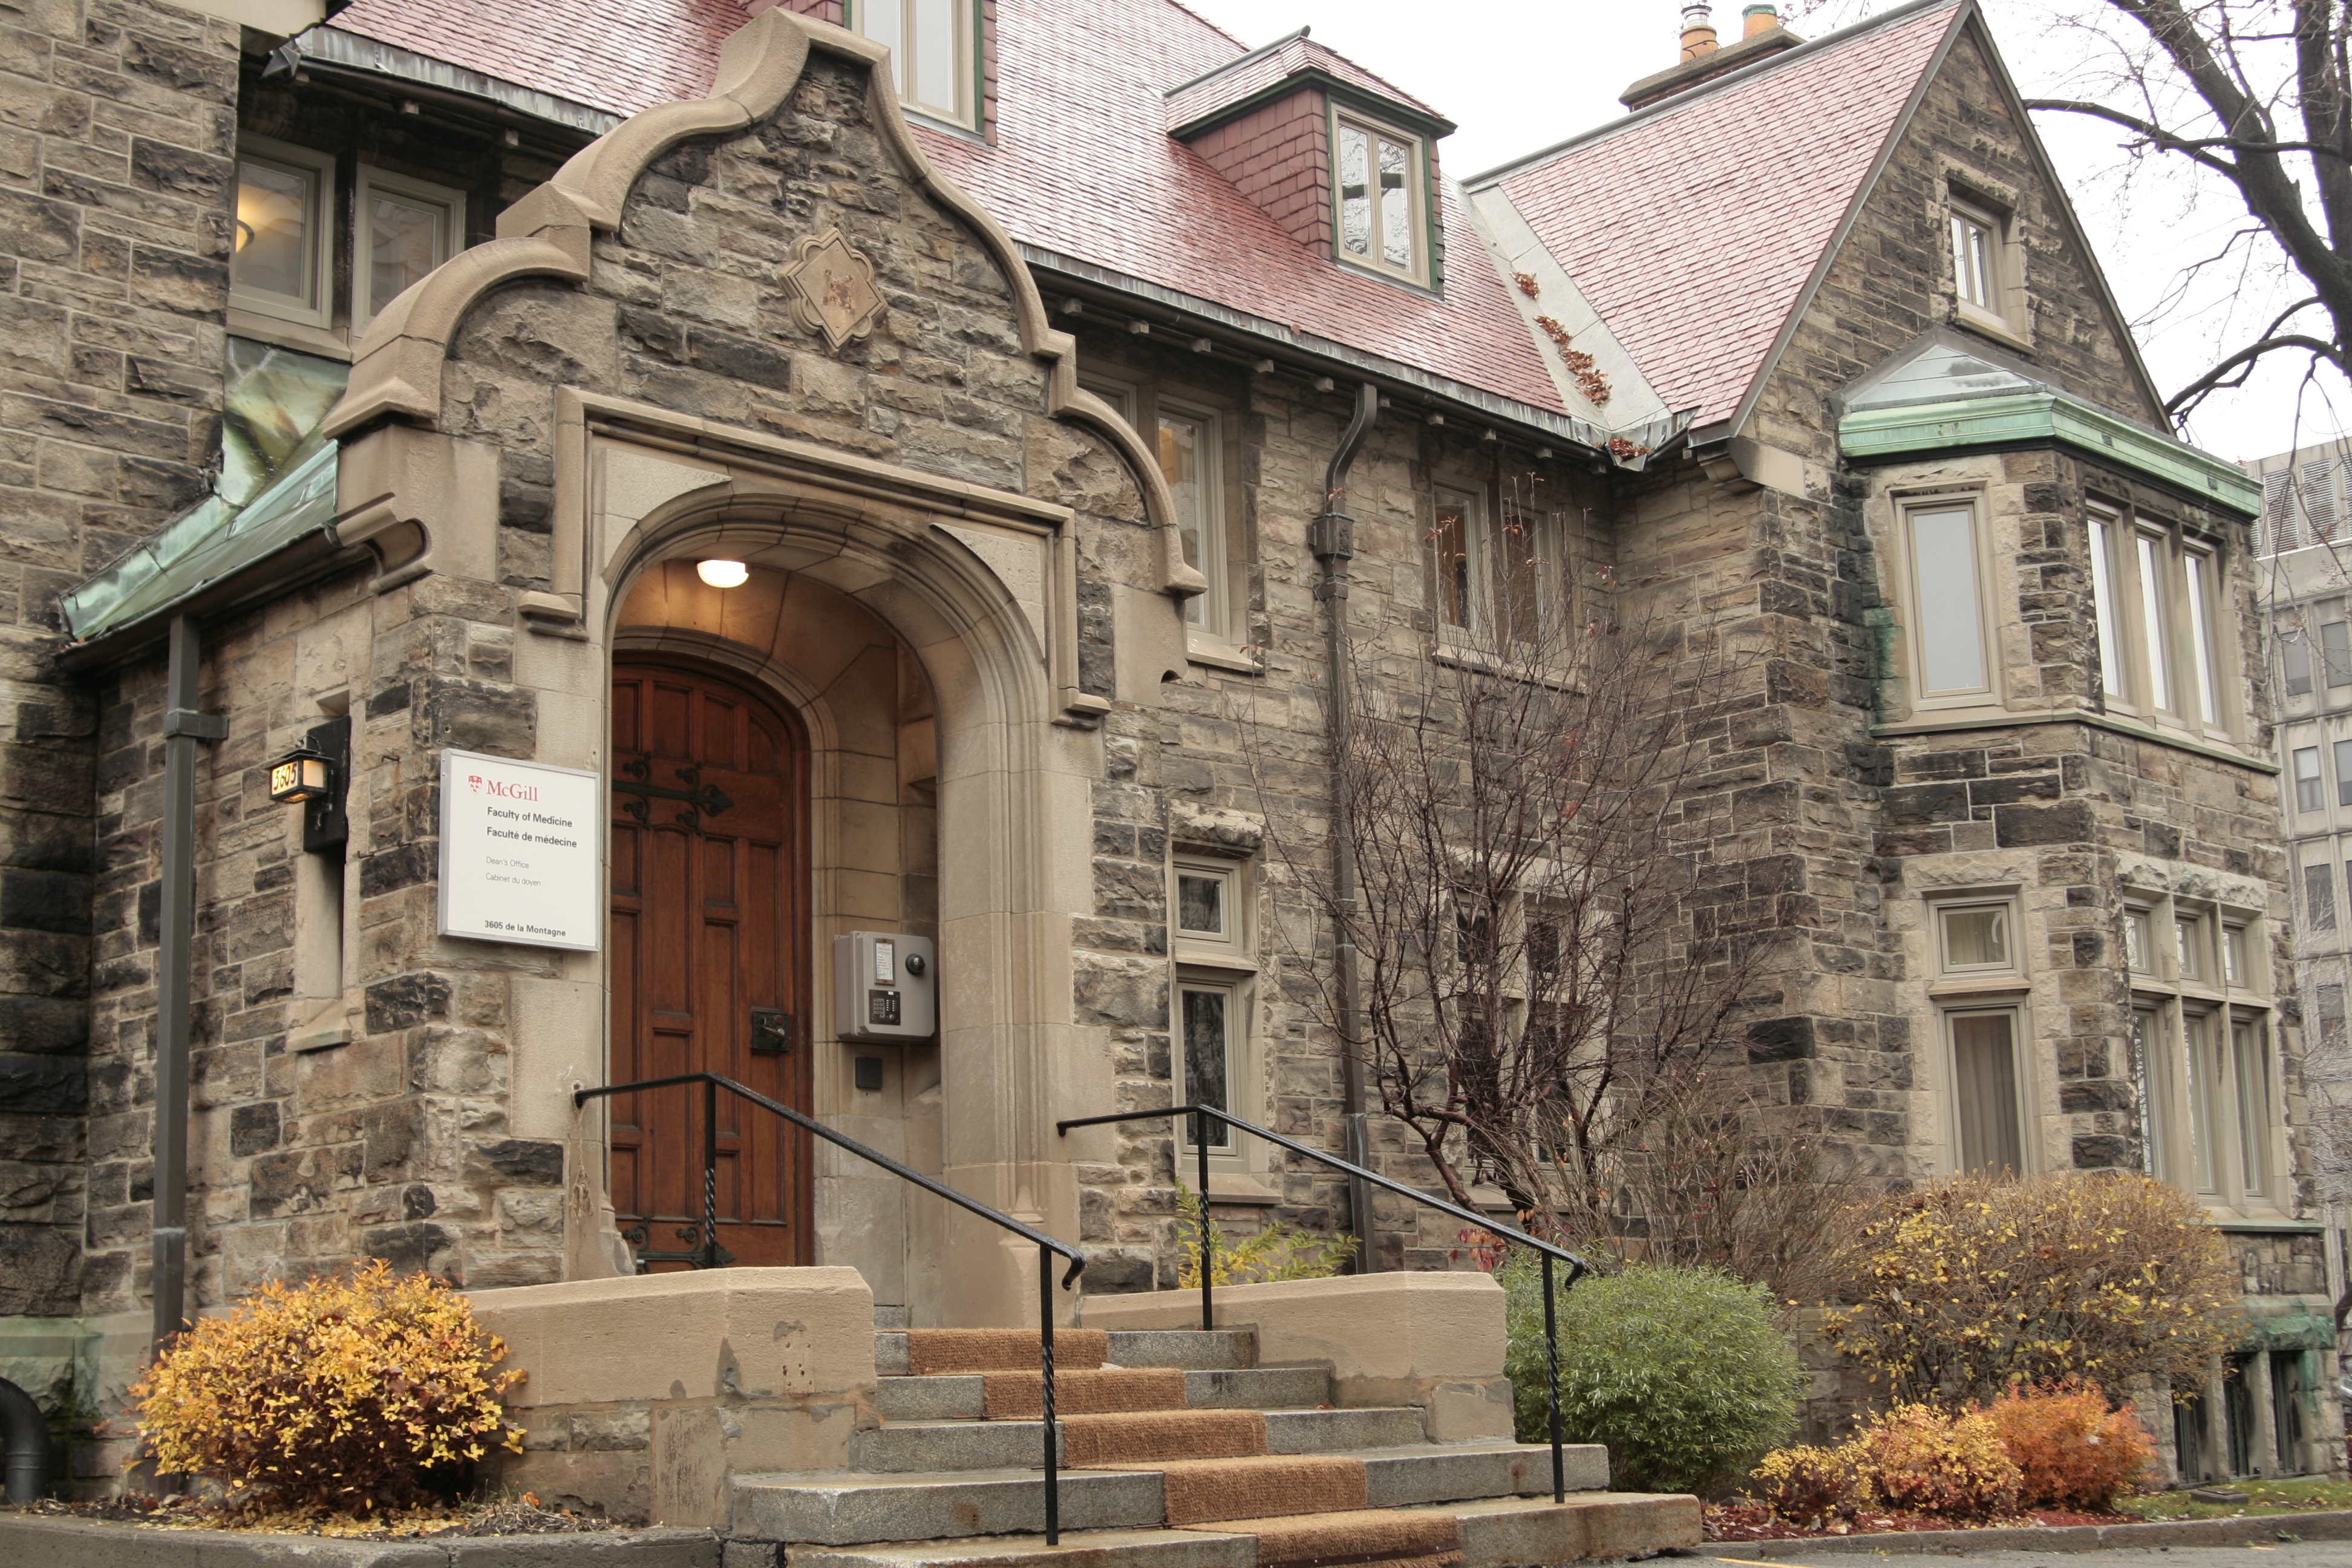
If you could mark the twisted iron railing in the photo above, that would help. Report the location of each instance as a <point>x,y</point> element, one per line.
<point>1200,1114</point>
<point>710,1255</point>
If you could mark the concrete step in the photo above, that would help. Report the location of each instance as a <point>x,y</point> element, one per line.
<point>1215,1350</point>
<point>963,1397</point>
<point>841,1510</point>
<point>1498,1533</point>
<point>907,1446</point>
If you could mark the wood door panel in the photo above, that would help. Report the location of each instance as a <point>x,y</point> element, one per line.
<point>710,919</point>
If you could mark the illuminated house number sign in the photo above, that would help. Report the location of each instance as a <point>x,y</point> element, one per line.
<point>520,846</point>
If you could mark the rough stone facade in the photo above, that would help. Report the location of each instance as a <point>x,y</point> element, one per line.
<point>931,489</point>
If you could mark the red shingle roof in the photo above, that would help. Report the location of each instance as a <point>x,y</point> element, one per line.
<point>1082,163</point>
<point>1199,100</point>
<point>1693,226</point>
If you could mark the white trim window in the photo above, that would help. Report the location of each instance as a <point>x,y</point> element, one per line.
<point>1458,543</point>
<point>1208,1020</point>
<point>933,53</point>
<point>280,264</point>
<point>1380,207</point>
<point>1989,1089</point>
<point>2162,612</point>
<point>2200,1054</point>
<point>1951,646</point>
<point>403,228</point>
<point>1986,293</point>
<point>1191,460</point>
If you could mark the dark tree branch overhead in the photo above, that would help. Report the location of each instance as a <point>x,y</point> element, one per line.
<point>2249,67</point>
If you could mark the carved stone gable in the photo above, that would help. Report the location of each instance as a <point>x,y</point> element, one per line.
<point>832,289</point>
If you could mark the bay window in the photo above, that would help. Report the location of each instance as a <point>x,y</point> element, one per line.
<point>1951,652</point>
<point>2161,613</point>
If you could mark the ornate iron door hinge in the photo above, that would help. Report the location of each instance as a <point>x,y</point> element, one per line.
<point>706,799</point>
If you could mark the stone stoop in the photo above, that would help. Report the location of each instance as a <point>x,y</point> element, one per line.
<point>1192,1418</point>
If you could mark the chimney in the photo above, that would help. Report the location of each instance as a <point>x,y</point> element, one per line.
<point>1758,19</point>
<point>1699,31</point>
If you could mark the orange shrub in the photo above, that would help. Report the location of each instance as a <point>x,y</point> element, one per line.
<point>2073,1451</point>
<point>1916,1459</point>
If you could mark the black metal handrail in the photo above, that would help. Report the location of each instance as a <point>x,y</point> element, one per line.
<point>1047,1247</point>
<point>1578,1268</point>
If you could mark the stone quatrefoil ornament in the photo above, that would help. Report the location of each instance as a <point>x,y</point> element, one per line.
<point>832,289</point>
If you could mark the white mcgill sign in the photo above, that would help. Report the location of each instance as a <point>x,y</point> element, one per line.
<point>518,852</point>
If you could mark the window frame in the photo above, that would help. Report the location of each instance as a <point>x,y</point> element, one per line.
<point>365,183</point>
<point>1941,909</point>
<point>1909,507</point>
<point>318,312</point>
<point>2181,672</point>
<point>1478,547</point>
<point>1228,875</point>
<point>1209,613</point>
<point>2002,313</point>
<point>969,46</point>
<point>1226,964</point>
<point>2315,798</point>
<point>2018,1014</point>
<point>1421,272</point>
<point>2199,1131</point>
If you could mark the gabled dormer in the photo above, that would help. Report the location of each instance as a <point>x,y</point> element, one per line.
<point>1345,162</point>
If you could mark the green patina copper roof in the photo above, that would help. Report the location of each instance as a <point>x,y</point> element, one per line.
<point>276,485</point>
<point>1949,397</point>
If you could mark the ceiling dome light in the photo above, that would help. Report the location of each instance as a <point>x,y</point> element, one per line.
<point>723,573</point>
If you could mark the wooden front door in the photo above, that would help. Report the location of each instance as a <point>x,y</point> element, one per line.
<point>709,921</point>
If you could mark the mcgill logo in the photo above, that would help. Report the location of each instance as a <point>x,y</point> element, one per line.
<point>501,788</point>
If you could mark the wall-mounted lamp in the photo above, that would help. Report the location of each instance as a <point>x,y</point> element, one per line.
<point>315,777</point>
<point>723,573</point>
<point>302,777</point>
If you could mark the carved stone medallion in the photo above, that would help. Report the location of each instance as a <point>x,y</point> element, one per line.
<point>832,289</point>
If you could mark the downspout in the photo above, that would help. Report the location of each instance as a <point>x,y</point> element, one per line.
<point>183,726</point>
<point>26,1434</point>
<point>1333,540</point>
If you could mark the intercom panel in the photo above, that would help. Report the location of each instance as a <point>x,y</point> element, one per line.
<point>884,986</point>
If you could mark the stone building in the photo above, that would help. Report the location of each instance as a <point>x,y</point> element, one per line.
<point>878,459</point>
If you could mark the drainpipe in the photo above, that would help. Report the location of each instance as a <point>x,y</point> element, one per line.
<point>1333,540</point>
<point>183,726</point>
<point>26,1432</point>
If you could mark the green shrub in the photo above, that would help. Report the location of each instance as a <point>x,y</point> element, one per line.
<point>1679,1370</point>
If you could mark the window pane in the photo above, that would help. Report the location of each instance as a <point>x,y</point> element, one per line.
<point>1951,641</point>
<point>938,79</point>
<point>275,207</point>
<point>2331,1015</point>
<point>1200,904</point>
<point>2319,897</point>
<point>1180,463</point>
<point>2152,624</point>
<point>2297,653</point>
<point>1207,1043</point>
<point>1450,544</point>
<point>404,240</point>
<point>1355,189</point>
<point>1984,1060</point>
<point>2139,940</point>
<point>2251,1065</point>
<point>2306,778</point>
<point>1522,569</point>
<point>2190,946</point>
<point>1976,936</point>
<point>1396,204</point>
<point>2200,638</point>
<point>882,21</point>
<point>2147,1071</point>
<point>2203,1082</point>
<point>2336,652</point>
<point>2102,595</point>
<point>2233,955</point>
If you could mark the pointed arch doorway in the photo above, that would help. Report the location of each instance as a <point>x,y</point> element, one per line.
<point>710,920</point>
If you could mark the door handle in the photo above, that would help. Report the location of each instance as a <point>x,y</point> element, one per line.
<point>772,1031</point>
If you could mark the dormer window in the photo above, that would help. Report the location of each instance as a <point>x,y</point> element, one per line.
<point>933,50</point>
<point>1381,201</point>
<point>1988,292</point>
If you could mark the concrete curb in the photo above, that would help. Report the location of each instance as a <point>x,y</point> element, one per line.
<point>98,1543</point>
<point>2261,1530</point>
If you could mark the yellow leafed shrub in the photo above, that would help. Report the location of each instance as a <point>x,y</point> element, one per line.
<point>1277,1251</point>
<point>1961,1290</point>
<point>1808,1486</point>
<point>1916,1459</point>
<point>347,1392</point>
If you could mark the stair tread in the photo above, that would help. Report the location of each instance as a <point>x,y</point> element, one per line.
<point>829,1479</point>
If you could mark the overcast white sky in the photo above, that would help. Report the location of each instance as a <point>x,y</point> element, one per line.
<point>1520,75</point>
